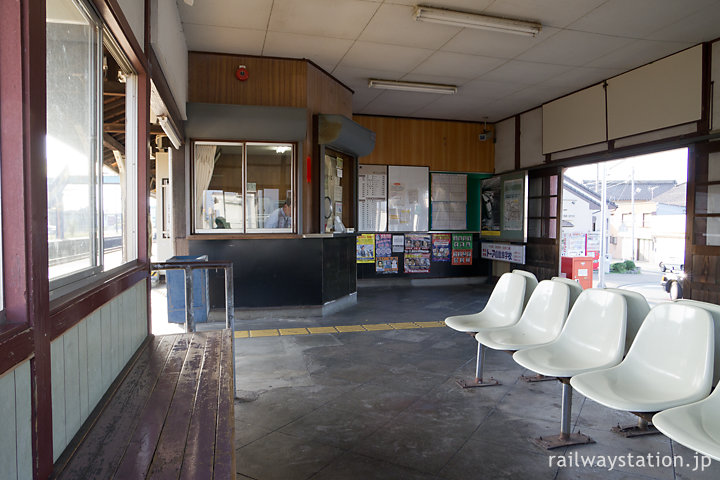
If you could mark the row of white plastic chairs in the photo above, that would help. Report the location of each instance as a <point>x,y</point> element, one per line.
<point>610,346</point>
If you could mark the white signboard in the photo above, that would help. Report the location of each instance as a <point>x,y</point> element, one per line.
<point>503,252</point>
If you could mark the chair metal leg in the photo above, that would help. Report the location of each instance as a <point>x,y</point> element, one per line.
<point>479,382</point>
<point>640,430</point>
<point>566,438</point>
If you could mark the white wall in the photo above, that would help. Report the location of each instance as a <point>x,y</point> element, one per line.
<point>16,424</point>
<point>86,359</point>
<point>134,11</point>
<point>168,42</point>
<point>505,146</point>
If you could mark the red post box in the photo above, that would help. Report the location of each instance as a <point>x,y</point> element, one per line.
<point>578,268</point>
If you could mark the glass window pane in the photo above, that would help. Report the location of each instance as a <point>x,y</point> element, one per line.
<point>713,167</point>
<point>218,187</point>
<point>73,41</point>
<point>269,187</point>
<point>535,187</point>
<point>119,171</point>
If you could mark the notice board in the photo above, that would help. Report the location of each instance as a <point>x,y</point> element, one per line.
<point>408,199</point>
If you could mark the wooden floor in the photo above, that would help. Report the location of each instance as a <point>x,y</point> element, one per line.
<point>169,416</point>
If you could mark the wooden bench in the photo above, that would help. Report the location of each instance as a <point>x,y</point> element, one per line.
<point>169,415</point>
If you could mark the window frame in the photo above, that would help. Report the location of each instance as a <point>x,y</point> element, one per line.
<point>97,272</point>
<point>244,231</point>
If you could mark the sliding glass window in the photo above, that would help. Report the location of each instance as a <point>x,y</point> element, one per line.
<point>91,146</point>
<point>243,187</point>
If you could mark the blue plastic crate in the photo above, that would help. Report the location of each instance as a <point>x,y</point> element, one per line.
<point>176,291</point>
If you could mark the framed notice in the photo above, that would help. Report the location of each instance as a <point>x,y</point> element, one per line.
<point>372,198</point>
<point>504,207</point>
<point>449,201</point>
<point>408,199</point>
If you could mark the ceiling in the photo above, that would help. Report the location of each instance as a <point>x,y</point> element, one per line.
<point>498,75</point>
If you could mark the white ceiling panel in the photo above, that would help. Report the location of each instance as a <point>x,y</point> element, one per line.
<point>636,18</point>
<point>639,52</point>
<point>528,73</point>
<point>406,102</point>
<point>699,27</point>
<point>458,65</point>
<point>582,43</point>
<point>318,49</point>
<point>570,47</point>
<point>328,18</point>
<point>554,13</point>
<point>494,44</point>
<point>378,56</point>
<point>251,14</point>
<point>224,40</point>
<point>395,25</point>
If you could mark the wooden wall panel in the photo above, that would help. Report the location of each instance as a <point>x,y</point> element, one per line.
<point>87,358</point>
<point>16,423</point>
<point>441,145</point>
<point>272,82</point>
<point>327,95</point>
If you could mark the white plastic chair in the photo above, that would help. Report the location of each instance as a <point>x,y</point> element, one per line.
<point>593,338</point>
<point>714,311</point>
<point>575,288</point>
<point>503,308</point>
<point>669,364</point>
<point>637,310</point>
<point>540,323</point>
<point>531,282</point>
<point>697,426</point>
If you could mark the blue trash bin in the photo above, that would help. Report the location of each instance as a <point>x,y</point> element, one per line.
<point>176,291</point>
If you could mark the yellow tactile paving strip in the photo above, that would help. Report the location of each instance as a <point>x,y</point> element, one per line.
<point>371,327</point>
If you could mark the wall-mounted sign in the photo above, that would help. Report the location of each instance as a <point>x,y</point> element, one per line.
<point>503,252</point>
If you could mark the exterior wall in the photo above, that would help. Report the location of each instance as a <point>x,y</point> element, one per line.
<point>87,358</point>
<point>134,11</point>
<point>577,211</point>
<point>16,423</point>
<point>441,145</point>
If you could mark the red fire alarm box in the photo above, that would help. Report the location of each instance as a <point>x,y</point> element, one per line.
<point>578,268</point>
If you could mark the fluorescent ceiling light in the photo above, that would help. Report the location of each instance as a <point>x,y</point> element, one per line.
<point>474,20</point>
<point>170,130</point>
<point>412,86</point>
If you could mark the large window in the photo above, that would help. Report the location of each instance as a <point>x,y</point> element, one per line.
<point>243,187</point>
<point>91,146</point>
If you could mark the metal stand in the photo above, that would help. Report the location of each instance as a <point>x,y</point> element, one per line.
<point>536,378</point>
<point>479,382</point>
<point>640,430</point>
<point>565,438</point>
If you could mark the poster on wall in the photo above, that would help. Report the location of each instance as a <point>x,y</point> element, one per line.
<point>572,244</point>
<point>441,247</point>
<point>366,248</point>
<point>503,252</point>
<point>417,241</point>
<point>417,262</point>
<point>398,243</point>
<point>462,249</point>
<point>408,198</point>
<point>385,265</point>
<point>513,204</point>
<point>383,246</point>
<point>490,211</point>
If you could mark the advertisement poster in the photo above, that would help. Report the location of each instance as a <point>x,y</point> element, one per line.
<point>398,243</point>
<point>490,208</point>
<point>383,245</point>
<point>417,262</point>
<point>366,248</point>
<point>441,247</point>
<point>503,252</point>
<point>417,241</point>
<point>572,245</point>
<point>462,249</point>
<point>512,198</point>
<point>386,265</point>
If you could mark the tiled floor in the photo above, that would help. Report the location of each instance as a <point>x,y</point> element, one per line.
<point>385,405</point>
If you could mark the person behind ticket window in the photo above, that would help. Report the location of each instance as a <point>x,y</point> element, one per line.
<point>281,217</point>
